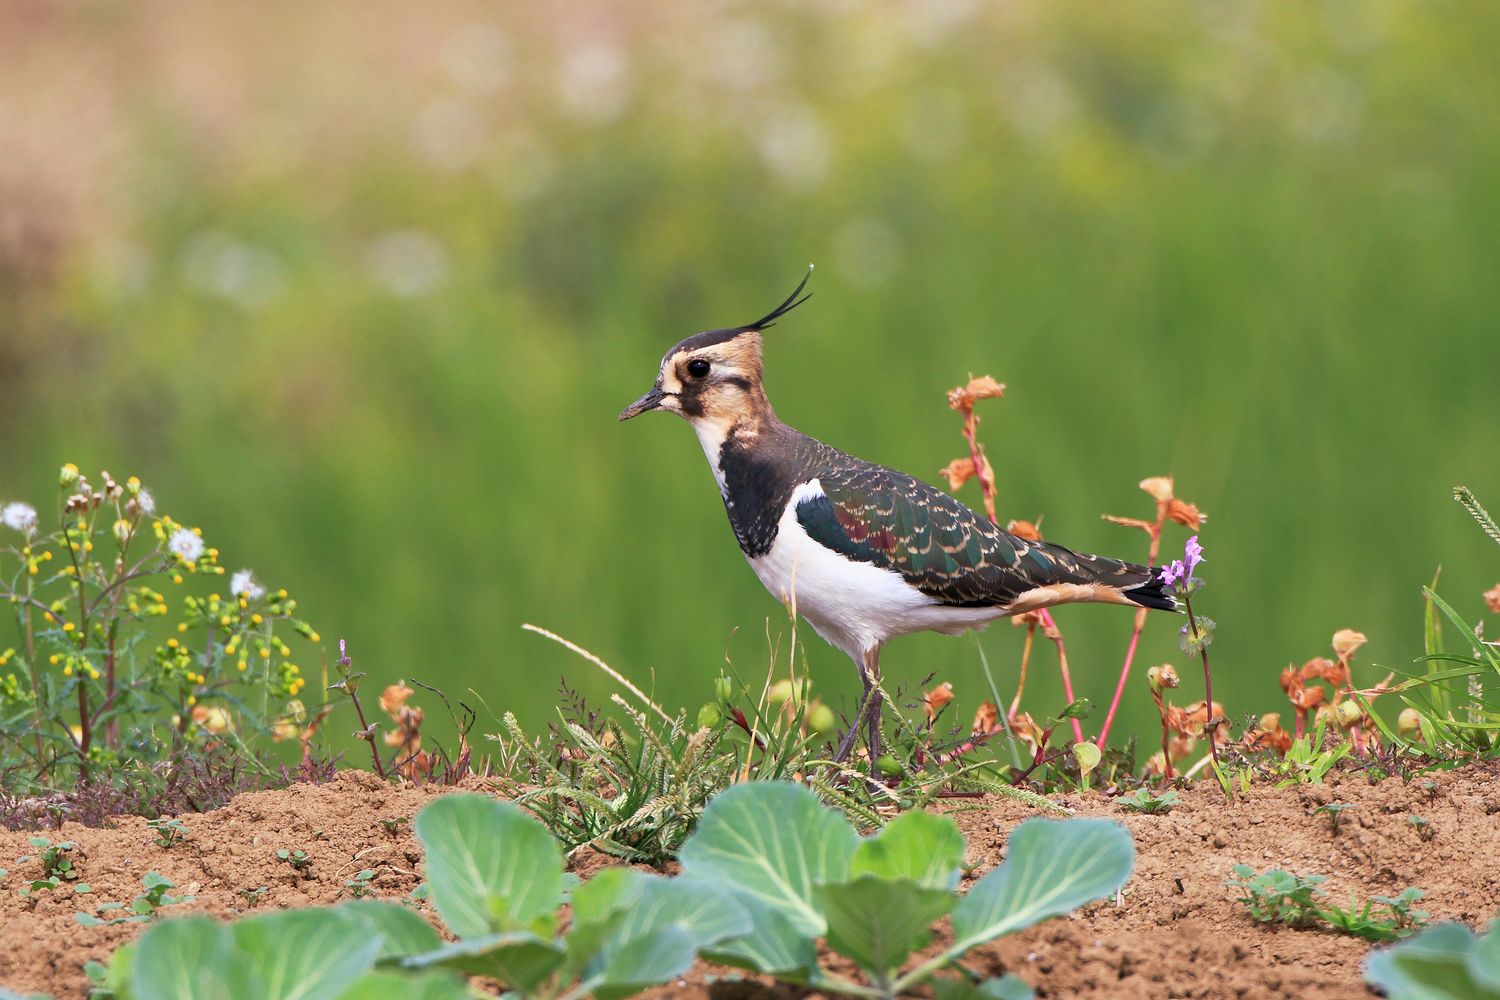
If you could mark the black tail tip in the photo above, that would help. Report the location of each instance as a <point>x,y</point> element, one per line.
<point>1153,594</point>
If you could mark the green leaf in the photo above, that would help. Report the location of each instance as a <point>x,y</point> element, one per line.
<point>772,841</point>
<point>1004,988</point>
<point>772,946</point>
<point>594,904</point>
<point>649,960</point>
<point>396,986</point>
<point>1087,754</point>
<point>402,931</point>
<point>189,959</point>
<point>878,921</point>
<point>306,954</point>
<point>1431,966</point>
<point>1050,868</point>
<point>698,905</point>
<point>1484,960</point>
<point>919,846</point>
<point>520,959</point>
<point>491,867</point>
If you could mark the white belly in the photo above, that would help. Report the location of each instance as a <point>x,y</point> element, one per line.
<point>856,606</point>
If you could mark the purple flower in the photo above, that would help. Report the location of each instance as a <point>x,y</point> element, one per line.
<point>1193,552</point>
<point>1172,572</point>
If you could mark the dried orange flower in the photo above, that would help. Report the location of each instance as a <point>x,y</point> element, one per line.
<point>958,472</point>
<point>937,698</point>
<point>965,396</point>
<point>1026,730</point>
<point>1346,641</point>
<point>1158,487</point>
<point>1163,676</point>
<point>1185,514</point>
<point>986,720</point>
<point>1025,529</point>
<point>1268,734</point>
<point>1131,522</point>
<point>393,699</point>
<point>1492,598</point>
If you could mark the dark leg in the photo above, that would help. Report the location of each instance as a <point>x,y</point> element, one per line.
<point>873,696</point>
<point>847,743</point>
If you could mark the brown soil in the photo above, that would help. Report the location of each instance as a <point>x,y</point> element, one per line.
<point>1177,932</point>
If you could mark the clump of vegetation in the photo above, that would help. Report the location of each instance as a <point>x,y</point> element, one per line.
<point>1143,801</point>
<point>1334,811</point>
<point>1298,901</point>
<point>143,907</point>
<point>769,872</point>
<point>802,874</point>
<point>636,788</point>
<point>133,651</point>
<point>169,832</point>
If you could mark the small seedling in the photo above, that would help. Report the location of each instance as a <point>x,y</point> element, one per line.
<point>1334,811</point>
<point>169,832</point>
<point>360,885</point>
<point>143,907</point>
<point>298,859</point>
<point>1142,801</point>
<point>56,864</point>
<point>393,825</point>
<point>320,835</point>
<point>1296,900</point>
<point>1277,896</point>
<point>1424,827</point>
<point>254,896</point>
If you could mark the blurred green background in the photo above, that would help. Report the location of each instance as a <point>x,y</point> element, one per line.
<point>360,289</point>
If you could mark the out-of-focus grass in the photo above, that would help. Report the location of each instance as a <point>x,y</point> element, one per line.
<point>363,297</point>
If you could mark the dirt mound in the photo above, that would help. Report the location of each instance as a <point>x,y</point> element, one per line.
<point>1176,933</point>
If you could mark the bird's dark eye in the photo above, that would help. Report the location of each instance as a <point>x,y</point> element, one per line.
<point>697,368</point>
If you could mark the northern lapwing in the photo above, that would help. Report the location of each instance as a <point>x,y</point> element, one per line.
<point>863,553</point>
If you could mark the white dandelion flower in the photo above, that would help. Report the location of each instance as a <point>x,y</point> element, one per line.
<point>146,502</point>
<point>20,516</point>
<point>243,584</point>
<point>185,545</point>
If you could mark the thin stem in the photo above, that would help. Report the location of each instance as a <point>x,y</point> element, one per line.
<point>1114,703</point>
<point>1135,634</point>
<point>1015,703</point>
<point>989,678</point>
<point>1166,753</point>
<point>1210,724</point>
<point>602,666</point>
<point>85,723</point>
<point>1055,634</point>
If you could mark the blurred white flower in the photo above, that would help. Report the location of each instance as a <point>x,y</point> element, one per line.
<point>19,516</point>
<point>477,59</point>
<point>408,262</point>
<point>449,133</point>
<point>185,545</point>
<point>795,145</point>
<point>220,264</point>
<point>146,502</point>
<point>594,82</point>
<point>243,584</point>
<point>866,251</point>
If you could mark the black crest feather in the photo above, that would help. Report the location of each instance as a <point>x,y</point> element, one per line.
<point>791,302</point>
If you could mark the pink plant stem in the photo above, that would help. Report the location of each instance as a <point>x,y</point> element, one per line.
<point>1135,635</point>
<point>1135,638</point>
<point>1062,666</point>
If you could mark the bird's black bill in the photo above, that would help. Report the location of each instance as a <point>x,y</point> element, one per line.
<point>649,401</point>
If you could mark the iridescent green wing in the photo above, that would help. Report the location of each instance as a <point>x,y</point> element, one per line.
<point>945,550</point>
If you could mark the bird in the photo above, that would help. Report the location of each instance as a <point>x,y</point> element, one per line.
<point>863,553</point>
